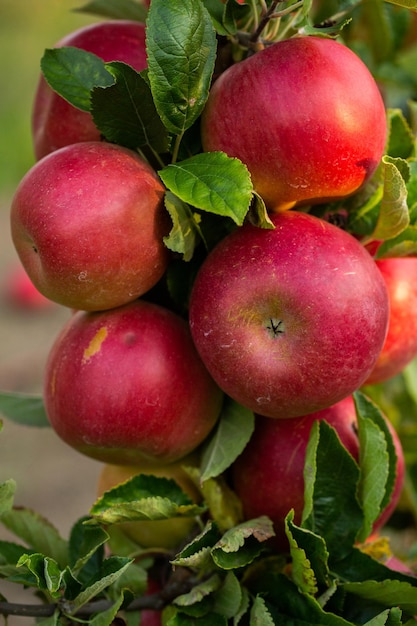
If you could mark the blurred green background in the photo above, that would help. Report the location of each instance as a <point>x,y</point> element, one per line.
<point>27,27</point>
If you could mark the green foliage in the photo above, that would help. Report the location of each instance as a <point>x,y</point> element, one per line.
<point>229,571</point>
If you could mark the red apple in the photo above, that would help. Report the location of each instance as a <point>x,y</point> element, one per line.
<point>306,117</point>
<point>289,320</point>
<point>400,347</point>
<point>20,291</point>
<point>55,122</point>
<point>88,223</point>
<point>127,386</point>
<point>151,617</point>
<point>268,475</point>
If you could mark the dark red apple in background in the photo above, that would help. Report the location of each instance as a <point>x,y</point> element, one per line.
<point>20,292</point>
<point>290,320</point>
<point>268,475</point>
<point>55,122</point>
<point>88,223</point>
<point>400,347</point>
<point>306,117</point>
<point>127,386</point>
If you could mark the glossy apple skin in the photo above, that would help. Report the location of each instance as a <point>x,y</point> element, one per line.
<point>268,475</point>
<point>306,117</point>
<point>400,347</point>
<point>167,533</point>
<point>127,386</point>
<point>88,222</point>
<point>291,320</point>
<point>55,122</point>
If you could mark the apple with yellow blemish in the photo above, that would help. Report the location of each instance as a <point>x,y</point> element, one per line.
<point>127,386</point>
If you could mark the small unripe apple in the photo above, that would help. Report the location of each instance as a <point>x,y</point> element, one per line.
<point>55,122</point>
<point>167,533</point>
<point>88,223</point>
<point>268,475</point>
<point>306,117</point>
<point>289,320</point>
<point>126,386</point>
<point>400,346</point>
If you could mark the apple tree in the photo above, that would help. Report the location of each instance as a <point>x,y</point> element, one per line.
<point>224,197</point>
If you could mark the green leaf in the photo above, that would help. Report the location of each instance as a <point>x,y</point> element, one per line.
<point>107,617</point>
<point>73,73</point>
<point>143,497</point>
<point>175,617</point>
<point>405,244</point>
<point>389,593</point>
<point>259,613</point>
<point>405,4</point>
<point>46,571</point>
<point>390,617</point>
<point>240,545</point>
<point>359,566</point>
<point>385,462</point>
<point>22,408</point>
<point>112,569</point>
<point>115,9</point>
<point>393,215</point>
<point>84,542</point>
<point>198,592</point>
<point>197,553</point>
<point>331,508</point>
<point>125,112</point>
<point>181,48</point>
<point>400,136</point>
<point>185,233</point>
<point>314,548</point>
<point>10,553</point>
<point>302,573</point>
<point>231,436</point>
<point>212,182</point>
<point>374,465</point>
<point>291,606</point>
<point>37,532</point>
<point>7,491</point>
<point>224,505</point>
<point>228,598</point>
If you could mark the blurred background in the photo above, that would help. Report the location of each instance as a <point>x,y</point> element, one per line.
<point>51,478</point>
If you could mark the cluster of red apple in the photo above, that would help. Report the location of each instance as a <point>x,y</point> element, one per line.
<point>288,321</point>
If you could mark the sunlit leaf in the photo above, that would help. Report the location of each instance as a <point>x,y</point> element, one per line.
<point>211,182</point>
<point>73,73</point>
<point>232,434</point>
<point>181,50</point>
<point>143,497</point>
<point>184,234</point>
<point>393,214</point>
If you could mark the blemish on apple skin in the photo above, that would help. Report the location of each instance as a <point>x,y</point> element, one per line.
<point>95,344</point>
<point>82,276</point>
